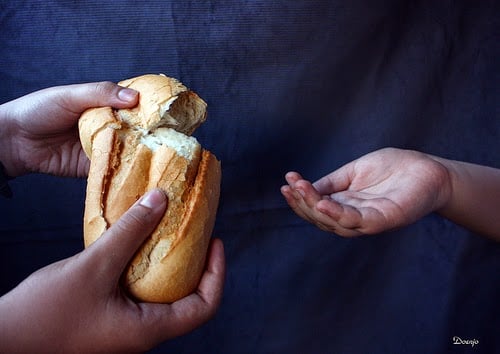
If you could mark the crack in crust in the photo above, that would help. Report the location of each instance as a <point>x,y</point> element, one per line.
<point>125,163</point>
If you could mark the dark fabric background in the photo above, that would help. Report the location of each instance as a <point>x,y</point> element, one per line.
<point>291,85</point>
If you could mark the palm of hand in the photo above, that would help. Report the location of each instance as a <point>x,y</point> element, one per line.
<point>47,138</point>
<point>60,154</point>
<point>383,190</point>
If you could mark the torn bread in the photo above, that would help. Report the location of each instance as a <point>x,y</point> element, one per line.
<point>149,146</point>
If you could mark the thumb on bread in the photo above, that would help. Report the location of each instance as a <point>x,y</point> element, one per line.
<point>117,246</point>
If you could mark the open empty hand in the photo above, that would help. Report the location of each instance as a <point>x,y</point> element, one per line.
<point>386,189</point>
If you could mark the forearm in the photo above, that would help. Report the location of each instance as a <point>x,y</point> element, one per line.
<point>474,200</point>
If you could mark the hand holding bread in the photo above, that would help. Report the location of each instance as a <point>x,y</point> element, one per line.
<point>150,146</point>
<point>77,304</point>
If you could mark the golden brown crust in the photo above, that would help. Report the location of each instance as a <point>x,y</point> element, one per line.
<point>179,262</point>
<point>91,122</point>
<point>163,101</point>
<point>169,264</point>
<point>103,155</point>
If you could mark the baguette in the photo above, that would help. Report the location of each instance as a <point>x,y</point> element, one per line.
<point>150,146</point>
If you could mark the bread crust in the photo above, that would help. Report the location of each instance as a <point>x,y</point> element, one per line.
<point>178,262</point>
<point>169,265</point>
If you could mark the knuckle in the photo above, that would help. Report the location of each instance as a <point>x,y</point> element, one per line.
<point>104,88</point>
<point>134,219</point>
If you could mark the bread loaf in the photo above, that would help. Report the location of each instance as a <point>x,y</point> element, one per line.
<point>135,150</point>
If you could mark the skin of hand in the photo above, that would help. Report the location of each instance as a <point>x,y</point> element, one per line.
<point>382,190</point>
<point>39,131</point>
<point>77,304</point>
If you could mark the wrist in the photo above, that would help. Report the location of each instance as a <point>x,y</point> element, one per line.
<point>446,176</point>
<point>10,164</point>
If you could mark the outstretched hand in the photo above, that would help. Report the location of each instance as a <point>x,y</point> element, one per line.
<point>40,133</point>
<point>382,190</point>
<point>77,305</point>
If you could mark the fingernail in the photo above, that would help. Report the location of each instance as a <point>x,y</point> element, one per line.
<point>127,95</point>
<point>153,199</point>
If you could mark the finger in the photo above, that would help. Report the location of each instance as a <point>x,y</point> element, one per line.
<point>330,210</point>
<point>287,192</point>
<point>327,221</point>
<point>342,220</point>
<point>292,177</point>
<point>79,97</point>
<point>339,217</point>
<point>200,306</point>
<point>295,201</point>
<point>114,249</point>
<point>306,197</point>
<point>211,285</point>
<point>299,191</point>
<point>307,202</point>
<point>292,195</point>
<point>355,214</point>
<point>309,194</point>
<point>168,321</point>
<point>336,181</point>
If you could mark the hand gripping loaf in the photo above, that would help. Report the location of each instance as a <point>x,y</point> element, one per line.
<point>135,150</point>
